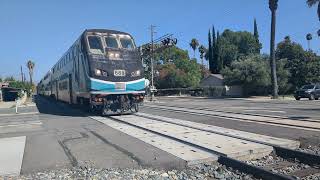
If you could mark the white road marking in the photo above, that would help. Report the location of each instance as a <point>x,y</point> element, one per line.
<point>251,110</point>
<point>27,113</point>
<point>19,126</point>
<point>11,155</point>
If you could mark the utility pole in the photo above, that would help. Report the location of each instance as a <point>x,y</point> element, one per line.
<point>21,73</point>
<point>152,89</point>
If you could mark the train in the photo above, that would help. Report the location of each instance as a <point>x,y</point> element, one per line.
<point>102,70</point>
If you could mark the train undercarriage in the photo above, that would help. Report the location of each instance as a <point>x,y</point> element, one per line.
<point>116,104</point>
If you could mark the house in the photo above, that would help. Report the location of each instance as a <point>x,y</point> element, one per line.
<point>217,80</point>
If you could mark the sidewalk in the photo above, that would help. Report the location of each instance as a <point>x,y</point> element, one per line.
<point>5,105</point>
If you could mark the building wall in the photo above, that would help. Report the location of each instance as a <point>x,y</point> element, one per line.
<point>234,91</point>
<point>211,81</point>
<point>216,80</point>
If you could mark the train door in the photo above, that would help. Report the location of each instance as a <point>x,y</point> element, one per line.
<point>70,89</point>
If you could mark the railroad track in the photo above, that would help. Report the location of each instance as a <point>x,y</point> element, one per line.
<point>251,114</point>
<point>180,133</point>
<point>313,125</point>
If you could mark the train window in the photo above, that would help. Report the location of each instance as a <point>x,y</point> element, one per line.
<point>126,43</point>
<point>95,44</point>
<point>63,85</point>
<point>111,42</point>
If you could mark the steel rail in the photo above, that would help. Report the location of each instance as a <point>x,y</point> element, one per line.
<point>235,118</point>
<point>222,159</point>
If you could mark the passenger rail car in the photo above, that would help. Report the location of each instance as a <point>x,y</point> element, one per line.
<point>102,69</point>
<point>44,87</point>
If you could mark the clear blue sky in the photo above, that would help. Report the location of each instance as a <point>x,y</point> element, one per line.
<point>43,30</point>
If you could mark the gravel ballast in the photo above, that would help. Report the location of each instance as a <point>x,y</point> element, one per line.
<point>203,171</point>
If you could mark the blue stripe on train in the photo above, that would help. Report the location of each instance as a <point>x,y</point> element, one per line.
<point>110,86</point>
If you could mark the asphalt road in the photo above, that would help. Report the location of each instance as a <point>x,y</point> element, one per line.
<point>293,110</point>
<point>59,135</point>
<point>66,137</point>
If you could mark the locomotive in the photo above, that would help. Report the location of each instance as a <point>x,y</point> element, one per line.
<point>102,70</point>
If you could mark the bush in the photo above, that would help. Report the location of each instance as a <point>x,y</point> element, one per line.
<point>251,73</point>
<point>27,87</point>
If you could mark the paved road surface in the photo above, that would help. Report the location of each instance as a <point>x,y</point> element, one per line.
<point>60,136</point>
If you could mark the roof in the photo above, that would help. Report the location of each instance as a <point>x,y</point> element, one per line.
<point>106,31</point>
<point>219,76</point>
<point>212,80</point>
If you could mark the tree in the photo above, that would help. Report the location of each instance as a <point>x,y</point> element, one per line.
<point>312,3</point>
<point>273,6</point>
<point>283,75</point>
<point>290,50</point>
<point>182,73</point>
<point>30,65</point>
<point>208,55</point>
<point>194,45</point>
<point>202,51</point>
<point>21,85</point>
<point>214,51</point>
<point>302,65</point>
<point>176,70</point>
<point>309,38</point>
<point>250,72</point>
<point>217,54</point>
<point>168,55</point>
<point>232,46</point>
<point>9,79</point>
<point>256,33</point>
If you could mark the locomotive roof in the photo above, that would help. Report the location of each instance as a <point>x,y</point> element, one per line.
<point>106,31</point>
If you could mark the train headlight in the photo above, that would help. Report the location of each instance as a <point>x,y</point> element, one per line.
<point>136,73</point>
<point>98,72</point>
<point>113,55</point>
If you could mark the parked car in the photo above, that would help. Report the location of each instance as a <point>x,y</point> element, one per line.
<point>311,91</point>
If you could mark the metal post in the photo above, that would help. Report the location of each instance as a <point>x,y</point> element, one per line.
<point>152,57</point>
<point>16,106</point>
<point>21,73</point>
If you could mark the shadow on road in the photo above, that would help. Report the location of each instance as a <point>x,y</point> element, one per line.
<point>47,105</point>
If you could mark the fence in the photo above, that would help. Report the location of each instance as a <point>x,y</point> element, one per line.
<point>214,91</point>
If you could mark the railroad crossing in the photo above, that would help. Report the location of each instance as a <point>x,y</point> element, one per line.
<point>171,133</point>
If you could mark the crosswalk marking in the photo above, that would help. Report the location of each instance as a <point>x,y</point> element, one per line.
<point>11,155</point>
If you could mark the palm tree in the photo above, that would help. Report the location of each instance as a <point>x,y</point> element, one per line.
<point>313,3</point>
<point>202,50</point>
<point>30,65</point>
<point>273,5</point>
<point>309,38</point>
<point>194,45</point>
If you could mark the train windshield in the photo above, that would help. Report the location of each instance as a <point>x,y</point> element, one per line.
<point>95,44</point>
<point>126,43</point>
<point>111,42</point>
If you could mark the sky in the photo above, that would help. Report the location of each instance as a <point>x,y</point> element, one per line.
<point>42,30</point>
